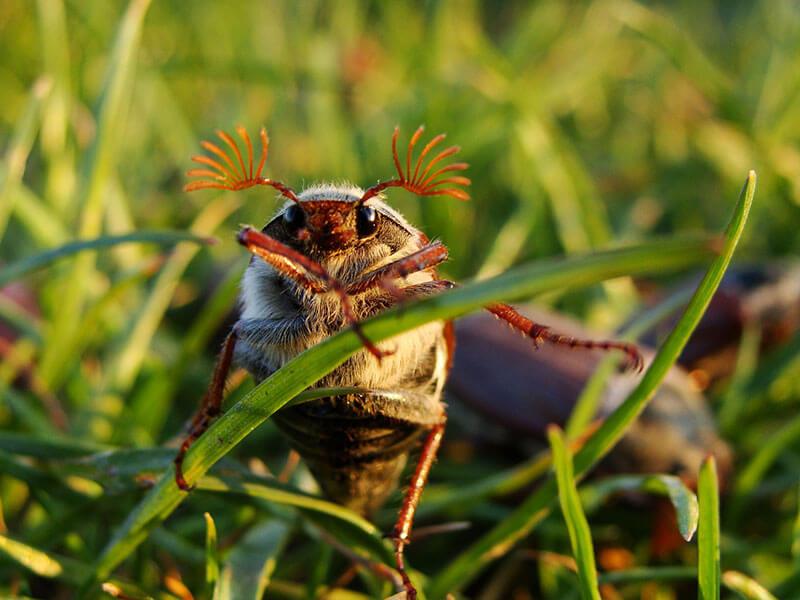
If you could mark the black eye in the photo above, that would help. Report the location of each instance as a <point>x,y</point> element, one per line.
<point>294,218</point>
<point>366,221</point>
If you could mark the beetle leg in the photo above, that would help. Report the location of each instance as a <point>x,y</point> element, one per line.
<point>428,257</point>
<point>541,333</point>
<point>209,408</point>
<point>401,534</point>
<point>307,273</point>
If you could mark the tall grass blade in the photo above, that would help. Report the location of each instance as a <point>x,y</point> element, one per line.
<point>35,560</point>
<point>50,566</point>
<point>56,112</point>
<point>645,574</point>
<point>101,161</point>
<point>40,221</point>
<point>588,402</point>
<point>126,363</point>
<point>247,572</point>
<point>29,264</point>
<point>531,512</point>
<point>357,532</point>
<point>580,535</point>
<point>16,157</point>
<point>708,569</point>
<point>682,498</point>
<point>212,554</point>
<point>795,548</point>
<point>770,450</point>
<point>745,586</point>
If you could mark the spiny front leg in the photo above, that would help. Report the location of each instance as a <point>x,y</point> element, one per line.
<point>209,409</point>
<point>307,273</point>
<point>541,333</point>
<point>427,257</point>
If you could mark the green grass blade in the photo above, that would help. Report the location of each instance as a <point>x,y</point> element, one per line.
<point>586,406</point>
<point>614,427</point>
<point>795,548</point>
<point>356,531</point>
<point>39,220</point>
<point>645,574</point>
<point>745,586</point>
<point>308,367</point>
<point>296,591</point>
<point>440,497</point>
<point>708,569</point>
<point>580,536</point>
<point>212,553</point>
<point>13,166</point>
<point>682,498</point>
<point>126,363</point>
<point>50,566</point>
<point>46,448</point>
<point>55,58</point>
<point>41,563</point>
<point>252,561</point>
<point>770,450</point>
<point>100,164</point>
<point>57,110</point>
<point>29,264</point>
<point>515,527</point>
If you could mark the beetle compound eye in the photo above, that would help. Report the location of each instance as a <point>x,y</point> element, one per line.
<point>294,218</point>
<point>366,221</point>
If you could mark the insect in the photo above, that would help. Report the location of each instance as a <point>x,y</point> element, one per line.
<point>331,257</point>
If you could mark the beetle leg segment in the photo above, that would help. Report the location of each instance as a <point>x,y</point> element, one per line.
<point>401,534</point>
<point>307,273</point>
<point>541,333</point>
<point>210,407</point>
<point>427,257</point>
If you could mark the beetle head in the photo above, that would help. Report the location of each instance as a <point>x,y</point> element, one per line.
<point>327,218</point>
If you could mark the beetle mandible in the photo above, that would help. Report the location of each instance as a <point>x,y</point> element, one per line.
<point>331,257</point>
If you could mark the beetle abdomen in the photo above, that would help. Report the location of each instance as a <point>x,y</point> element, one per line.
<point>355,452</point>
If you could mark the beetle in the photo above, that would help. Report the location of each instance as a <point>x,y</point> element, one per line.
<point>331,257</point>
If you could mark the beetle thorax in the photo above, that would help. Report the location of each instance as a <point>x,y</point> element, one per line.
<point>271,296</point>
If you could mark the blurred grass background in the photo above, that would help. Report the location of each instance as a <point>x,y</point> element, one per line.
<point>585,124</point>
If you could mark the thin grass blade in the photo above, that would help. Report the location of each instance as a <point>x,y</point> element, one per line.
<point>580,535</point>
<point>349,527</point>
<point>212,554</point>
<point>682,498</point>
<point>51,566</point>
<point>588,402</point>
<point>13,166</point>
<point>708,569</point>
<point>745,586</point>
<point>530,513</point>
<point>126,363</point>
<point>29,264</point>
<point>247,572</point>
<point>41,563</point>
<point>102,159</point>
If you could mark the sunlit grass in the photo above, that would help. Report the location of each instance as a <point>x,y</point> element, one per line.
<point>606,124</point>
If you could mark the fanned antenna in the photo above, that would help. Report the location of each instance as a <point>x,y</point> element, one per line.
<point>425,181</point>
<point>228,170</point>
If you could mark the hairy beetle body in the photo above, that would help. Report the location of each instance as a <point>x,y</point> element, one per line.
<point>356,445</point>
